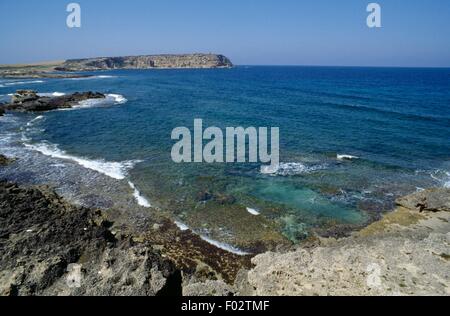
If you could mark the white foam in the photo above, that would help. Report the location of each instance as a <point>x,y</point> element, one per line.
<point>224,246</point>
<point>141,200</point>
<point>346,157</point>
<point>52,94</point>
<point>17,83</point>
<point>253,211</point>
<point>215,243</point>
<point>115,170</point>
<point>93,78</point>
<point>290,169</point>
<point>110,99</point>
<point>447,183</point>
<point>30,123</point>
<point>183,227</point>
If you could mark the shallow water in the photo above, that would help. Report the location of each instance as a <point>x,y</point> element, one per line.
<point>395,123</point>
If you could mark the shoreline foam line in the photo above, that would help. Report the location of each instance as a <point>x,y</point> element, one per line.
<point>215,243</point>
<point>140,199</point>
<point>115,170</point>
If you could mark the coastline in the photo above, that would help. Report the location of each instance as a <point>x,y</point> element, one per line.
<point>413,240</point>
<point>254,266</point>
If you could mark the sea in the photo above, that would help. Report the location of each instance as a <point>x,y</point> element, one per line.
<point>352,140</point>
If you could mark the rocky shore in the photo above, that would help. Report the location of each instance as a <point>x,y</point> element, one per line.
<point>405,253</point>
<point>31,101</point>
<point>51,247</point>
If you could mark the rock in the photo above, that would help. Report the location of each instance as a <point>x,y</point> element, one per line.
<point>224,199</point>
<point>22,96</point>
<point>405,253</point>
<point>2,110</point>
<point>5,160</point>
<point>50,247</point>
<point>434,200</point>
<point>208,288</point>
<point>30,101</point>
<point>204,196</point>
<point>147,62</point>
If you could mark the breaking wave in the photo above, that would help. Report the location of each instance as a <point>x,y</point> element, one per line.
<point>291,169</point>
<point>115,170</point>
<point>18,83</point>
<point>140,199</point>
<point>215,243</point>
<point>110,99</point>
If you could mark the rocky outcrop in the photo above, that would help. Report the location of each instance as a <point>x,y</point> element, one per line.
<point>49,247</point>
<point>406,253</point>
<point>30,101</point>
<point>147,62</point>
<point>2,110</point>
<point>5,160</point>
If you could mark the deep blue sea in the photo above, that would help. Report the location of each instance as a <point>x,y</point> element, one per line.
<point>395,123</point>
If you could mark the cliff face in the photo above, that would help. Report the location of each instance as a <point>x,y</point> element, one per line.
<point>147,62</point>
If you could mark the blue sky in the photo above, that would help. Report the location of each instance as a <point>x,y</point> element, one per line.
<point>273,32</point>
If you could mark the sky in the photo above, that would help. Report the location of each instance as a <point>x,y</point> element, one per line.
<point>414,33</point>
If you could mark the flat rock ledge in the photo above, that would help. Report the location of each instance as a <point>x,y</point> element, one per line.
<point>31,101</point>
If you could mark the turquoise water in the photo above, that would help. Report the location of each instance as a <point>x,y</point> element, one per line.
<point>396,121</point>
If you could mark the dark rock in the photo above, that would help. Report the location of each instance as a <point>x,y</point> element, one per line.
<point>225,199</point>
<point>43,238</point>
<point>30,101</point>
<point>23,96</point>
<point>2,110</point>
<point>5,160</point>
<point>204,196</point>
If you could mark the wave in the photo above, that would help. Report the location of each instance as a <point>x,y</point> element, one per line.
<point>93,78</point>
<point>115,170</point>
<point>18,83</point>
<point>183,227</point>
<point>38,118</point>
<point>346,157</point>
<point>110,99</point>
<point>224,246</point>
<point>253,211</point>
<point>141,200</point>
<point>291,169</point>
<point>215,243</point>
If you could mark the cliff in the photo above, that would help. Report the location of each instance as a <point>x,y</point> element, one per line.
<point>147,62</point>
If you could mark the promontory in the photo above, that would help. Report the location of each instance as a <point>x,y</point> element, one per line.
<point>60,69</point>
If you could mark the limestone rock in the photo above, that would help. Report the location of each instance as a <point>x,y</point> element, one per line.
<point>147,62</point>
